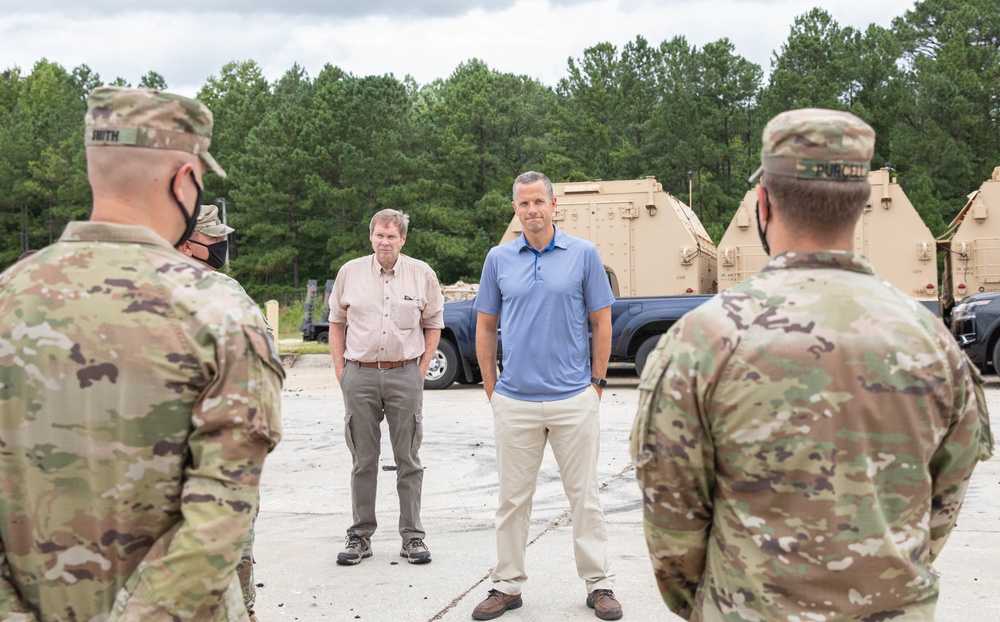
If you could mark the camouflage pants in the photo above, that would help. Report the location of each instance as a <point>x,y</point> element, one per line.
<point>230,607</point>
<point>244,570</point>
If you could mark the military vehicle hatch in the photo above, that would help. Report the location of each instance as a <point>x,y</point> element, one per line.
<point>890,233</point>
<point>971,246</point>
<point>654,243</point>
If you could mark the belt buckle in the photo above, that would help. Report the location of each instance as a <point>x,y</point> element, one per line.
<point>378,365</point>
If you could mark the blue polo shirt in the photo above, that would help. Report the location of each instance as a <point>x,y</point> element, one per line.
<point>543,299</point>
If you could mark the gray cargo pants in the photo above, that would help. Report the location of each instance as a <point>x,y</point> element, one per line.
<point>396,395</point>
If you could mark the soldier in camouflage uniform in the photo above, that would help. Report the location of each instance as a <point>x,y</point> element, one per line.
<point>804,439</point>
<point>139,393</point>
<point>209,245</point>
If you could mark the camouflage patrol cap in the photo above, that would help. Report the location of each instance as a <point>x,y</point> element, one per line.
<point>118,116</point>
<point>209,223</point>
<point>814,143</point>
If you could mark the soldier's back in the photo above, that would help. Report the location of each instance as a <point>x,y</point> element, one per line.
<point>102,357</point>
<point>828,395</point>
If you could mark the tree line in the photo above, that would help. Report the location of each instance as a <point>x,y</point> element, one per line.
<point>311,158</point>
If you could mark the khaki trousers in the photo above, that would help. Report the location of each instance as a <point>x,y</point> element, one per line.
<point>572,427</point>
<point>396,395</point>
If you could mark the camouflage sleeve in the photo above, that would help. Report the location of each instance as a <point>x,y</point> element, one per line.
<point>12,609</point>
<point>985,432</point>
<point>675,459</point>
<point>189,570</point>
<point>966,441</point>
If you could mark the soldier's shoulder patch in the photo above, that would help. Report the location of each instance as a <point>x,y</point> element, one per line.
<point>263,346</point>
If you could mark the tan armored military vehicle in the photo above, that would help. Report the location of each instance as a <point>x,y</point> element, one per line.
<point>890,233</point>
<point>741,254</point>
<point>971,246</point>
<point>654,243</point>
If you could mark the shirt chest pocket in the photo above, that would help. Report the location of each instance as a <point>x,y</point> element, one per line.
<point>406,314</point>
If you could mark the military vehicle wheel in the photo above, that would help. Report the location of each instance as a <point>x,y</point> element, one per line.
<point>323,337</point>
<point>643,353</point>
<point>443,369</point>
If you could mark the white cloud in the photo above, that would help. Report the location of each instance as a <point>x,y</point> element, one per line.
<point>532,37</point>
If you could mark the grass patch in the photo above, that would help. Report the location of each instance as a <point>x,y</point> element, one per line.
<point>290,333</point>
<point>290,320</point>
<point>286,346</point>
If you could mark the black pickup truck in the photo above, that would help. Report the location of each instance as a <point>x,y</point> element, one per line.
<point>636,326</point>
<point>975,323</point>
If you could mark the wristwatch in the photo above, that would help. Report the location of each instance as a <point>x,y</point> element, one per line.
<point>600,382</point>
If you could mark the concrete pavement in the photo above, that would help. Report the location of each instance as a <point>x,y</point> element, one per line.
<point>305,509</point>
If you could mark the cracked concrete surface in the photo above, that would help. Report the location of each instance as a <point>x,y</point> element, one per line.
<point>306,508</point>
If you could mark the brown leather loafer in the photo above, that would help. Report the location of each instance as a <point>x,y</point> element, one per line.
<point>604,604</point>
<point>495,604</point>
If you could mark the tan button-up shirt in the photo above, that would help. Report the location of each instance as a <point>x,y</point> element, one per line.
<point>386,310</point>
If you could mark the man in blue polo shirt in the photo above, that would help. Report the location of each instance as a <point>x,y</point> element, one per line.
<point>545,286</point>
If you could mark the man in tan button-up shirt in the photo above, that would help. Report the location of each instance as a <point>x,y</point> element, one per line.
<point>395,309</point>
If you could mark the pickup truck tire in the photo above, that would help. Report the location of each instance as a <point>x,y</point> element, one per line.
<point>996,358</point>
<point>443,368</point>
<point>323,337</point>
<point>643,353</point>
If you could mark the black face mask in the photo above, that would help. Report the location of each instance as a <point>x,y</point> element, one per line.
<point>216,253</point>
<point>762,231</point>
<point>192,220</point>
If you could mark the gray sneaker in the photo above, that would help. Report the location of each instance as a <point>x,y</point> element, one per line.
<point>357,548</point>
<point>415,551</point>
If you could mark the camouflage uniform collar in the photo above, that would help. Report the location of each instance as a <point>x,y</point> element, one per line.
<point>837,260</point>
<point>91,231</point>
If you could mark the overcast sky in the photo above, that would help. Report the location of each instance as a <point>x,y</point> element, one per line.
<point>423,38</point>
